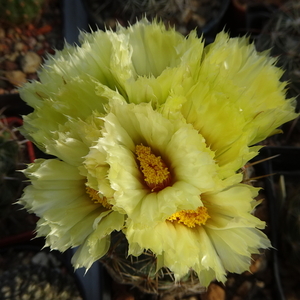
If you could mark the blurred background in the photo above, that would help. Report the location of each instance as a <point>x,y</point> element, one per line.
<point>32,29</point>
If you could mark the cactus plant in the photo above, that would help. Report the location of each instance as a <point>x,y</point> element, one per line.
<point>141,272</point>
<point>16,12</point>
<point>282,35</point>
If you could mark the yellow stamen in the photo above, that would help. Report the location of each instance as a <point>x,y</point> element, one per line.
<point>191,218</point>
<point>154,169</point>
<point>96,198</point>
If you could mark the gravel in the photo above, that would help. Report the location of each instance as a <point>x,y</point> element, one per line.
<point>24,48</point>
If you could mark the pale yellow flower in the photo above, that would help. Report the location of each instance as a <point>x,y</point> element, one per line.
<point>237,101</point>
<point>218,237</point>
<point>72,213</point>
<point>150,127</point>
<point>161,173</point>
<point>141,63</point>
<point>69,214</point>
<point>229,92</point>
<point>148,166</point>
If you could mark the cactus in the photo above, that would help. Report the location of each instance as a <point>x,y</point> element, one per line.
<point>18,12</point>
<point>282,35</point>
<point>140,272</point>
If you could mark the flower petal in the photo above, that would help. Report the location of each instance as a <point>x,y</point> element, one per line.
<point>190,162</point>
<point>58,196</point>
<point>97,244</point>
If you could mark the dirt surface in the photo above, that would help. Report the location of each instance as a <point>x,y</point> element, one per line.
<point>24,47</point>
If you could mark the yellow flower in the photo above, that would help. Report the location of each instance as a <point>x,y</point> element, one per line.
<point>150,127</point>
<point>69,215</point>
<point>141,63</point>
<point>237,100</point>
<point>161,173</point>
<point>218,237</point>
<point>229,92</point>
<point>145,58</point>
<point>148,166</point>
<point>163,176</point>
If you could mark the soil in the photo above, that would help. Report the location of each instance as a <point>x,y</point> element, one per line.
<point>19,42</point>
<point>26,272</point>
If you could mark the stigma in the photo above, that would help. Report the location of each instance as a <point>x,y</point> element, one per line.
<point>155,172</point>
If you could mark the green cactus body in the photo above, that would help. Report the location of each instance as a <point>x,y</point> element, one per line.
<point>142,272</point>
<point>17,12</point>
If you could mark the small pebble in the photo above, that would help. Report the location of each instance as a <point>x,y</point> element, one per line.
<point>259,264</point>
<point>244,289</point>
<point>192,298</point>
<point>40,37</point>
<point>260,284</point>
<point>215,292</point>
<point>30,62</point>
<point>19,46</point>
<point>16,77</point>
<point>31,42</point>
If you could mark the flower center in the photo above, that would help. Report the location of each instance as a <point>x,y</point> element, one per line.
<point>191,218</point>
<point>96,198</point>
<point>154,169</point>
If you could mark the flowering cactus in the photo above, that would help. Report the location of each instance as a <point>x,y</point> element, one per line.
<point>150,130</point>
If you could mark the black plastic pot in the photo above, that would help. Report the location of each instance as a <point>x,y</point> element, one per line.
<point>286,165</point>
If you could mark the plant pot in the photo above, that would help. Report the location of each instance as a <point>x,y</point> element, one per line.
<point>282,192</point>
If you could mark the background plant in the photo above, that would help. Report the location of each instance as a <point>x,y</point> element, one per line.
<point>16,12</point>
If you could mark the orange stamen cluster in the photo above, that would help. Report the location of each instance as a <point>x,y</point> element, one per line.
<point>191,218</point>
<point>96,198</point>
